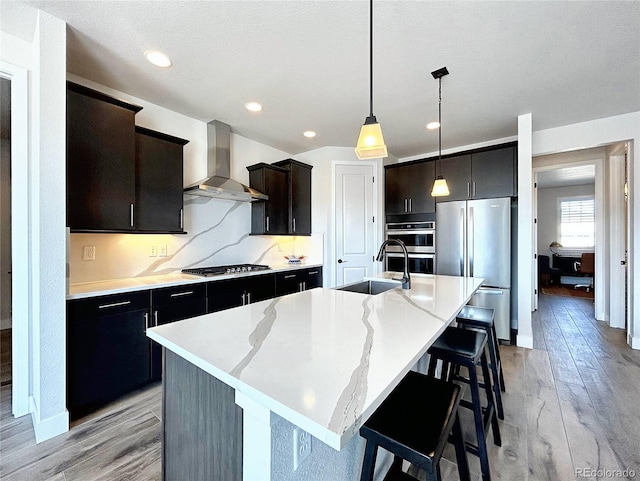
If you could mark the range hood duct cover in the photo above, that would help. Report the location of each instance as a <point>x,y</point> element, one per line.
<point>218,184</point>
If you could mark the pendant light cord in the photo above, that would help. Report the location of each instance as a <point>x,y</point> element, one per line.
<point>371,57</point>
<point>440,122</point>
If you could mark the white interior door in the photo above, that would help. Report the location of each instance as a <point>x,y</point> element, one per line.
<point>617,241</point>
<point>354,222</point>
<point>536,284</point>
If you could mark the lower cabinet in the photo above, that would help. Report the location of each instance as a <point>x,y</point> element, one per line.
<point>239,292</point>
<point>298,280</point>
<point>107,349</point>
<point>172,304</point>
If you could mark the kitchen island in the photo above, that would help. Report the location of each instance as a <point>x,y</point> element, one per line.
<point>237,382</point>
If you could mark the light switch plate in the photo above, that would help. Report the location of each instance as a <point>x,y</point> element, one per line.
<point>153,251</point>
<point>162,250</point>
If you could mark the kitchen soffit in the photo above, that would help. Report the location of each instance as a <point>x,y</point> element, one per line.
<point>565,62</point>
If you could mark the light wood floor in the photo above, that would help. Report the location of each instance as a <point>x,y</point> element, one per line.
<point>573,402</point>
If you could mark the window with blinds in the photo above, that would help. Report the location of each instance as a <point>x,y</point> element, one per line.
<point>577,221</point>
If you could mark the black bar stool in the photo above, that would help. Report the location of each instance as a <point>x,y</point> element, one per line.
<point>414,424</point>
<point>465,348</point>
<point>483,318</point>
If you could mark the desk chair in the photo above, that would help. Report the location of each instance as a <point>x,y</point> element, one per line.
<point>586,266</point>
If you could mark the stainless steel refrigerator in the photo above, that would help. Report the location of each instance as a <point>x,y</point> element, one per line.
<point>473,238</point>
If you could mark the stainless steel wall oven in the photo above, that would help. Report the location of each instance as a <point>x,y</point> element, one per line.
<point>419,237</point>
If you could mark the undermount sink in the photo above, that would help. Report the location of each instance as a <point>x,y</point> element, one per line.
<point>369,287</point>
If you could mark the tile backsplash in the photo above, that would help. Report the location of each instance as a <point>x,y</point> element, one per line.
<point>218,234</point>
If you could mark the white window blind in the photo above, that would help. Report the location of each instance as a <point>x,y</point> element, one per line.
<point>577,221</point>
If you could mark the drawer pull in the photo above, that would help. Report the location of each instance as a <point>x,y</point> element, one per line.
<point>115,304</point>
<point>179,294</point>
<point>313,272</point>
<point>291,276</point>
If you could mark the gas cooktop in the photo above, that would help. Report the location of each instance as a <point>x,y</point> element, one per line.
<point>221,270</point>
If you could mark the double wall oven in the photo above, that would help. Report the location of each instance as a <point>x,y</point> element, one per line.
<point>420,239</point>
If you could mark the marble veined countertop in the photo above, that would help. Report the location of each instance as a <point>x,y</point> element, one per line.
<point>117,286</point>
<point>323,359</point>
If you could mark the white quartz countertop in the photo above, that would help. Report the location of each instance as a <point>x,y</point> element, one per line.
<point>323,359</point>
<point>117,286</point>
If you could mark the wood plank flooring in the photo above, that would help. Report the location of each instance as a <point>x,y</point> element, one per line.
<point>572,403</point>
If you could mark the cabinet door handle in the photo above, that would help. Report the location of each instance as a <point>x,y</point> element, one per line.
<point>267,223</point>
<point>179,294</point>
<point>405,205</point>
<point>410,205</point>
<point>290,276</point>
<point>304,285</point>
<point>294,224</point>
<point>182,218</point>
<point>300,287</point>
<point>244,299</point>
<point>114,304</point>
<point>146,320</point>
<point>155,318</point>
<point>248,298</point>
<point>468,189</point>
<point>474,188</point>
<point>131,214</point>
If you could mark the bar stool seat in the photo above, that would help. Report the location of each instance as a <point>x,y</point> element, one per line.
<point>467,348</point>
<point>414,423</point>
<point>483,318</point>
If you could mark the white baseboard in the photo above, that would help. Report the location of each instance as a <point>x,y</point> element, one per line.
<point>633,341</point>
<point>47,428</point>
<point>524,341</point>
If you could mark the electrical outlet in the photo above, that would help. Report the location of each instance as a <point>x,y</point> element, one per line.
<point>301,447</point>
<point>153,251</point>
<point>162,250</point>
<point>89,253</point>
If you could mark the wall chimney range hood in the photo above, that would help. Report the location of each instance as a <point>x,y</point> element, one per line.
<point>218,183</point>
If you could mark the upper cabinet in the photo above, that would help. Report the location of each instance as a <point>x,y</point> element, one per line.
<point>299,187</point>
<point>408,189</point>
<point>120,178</point>
<point>159,167</point>
<point>484,174</point>
<point>101,149</point>
<point>288,210</point>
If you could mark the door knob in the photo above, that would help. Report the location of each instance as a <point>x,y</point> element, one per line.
<point>340,261</point>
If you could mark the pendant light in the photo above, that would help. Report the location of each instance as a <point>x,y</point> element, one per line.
<point>370,142</point>
<point>440,187</point>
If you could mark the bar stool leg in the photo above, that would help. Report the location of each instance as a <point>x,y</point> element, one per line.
<point>479,423</point>
<point>461,453</point>
<point>497,344</point>
<point>496,379</point>
<point>369,462</point>
<point>497,439</point>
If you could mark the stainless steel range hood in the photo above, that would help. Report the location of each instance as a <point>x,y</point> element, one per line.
<point>218,184</point>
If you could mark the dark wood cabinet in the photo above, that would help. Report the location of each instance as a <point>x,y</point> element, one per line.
<point>158,182</point>
<point>171,304</point>
<point>100,161</point>
<point>270,217</point>
<point>299,189</point>
<point>298,280</point>
<point>107,349</point>
<point>225,294</point>
<point>484,174</point>
<point>408,188</point>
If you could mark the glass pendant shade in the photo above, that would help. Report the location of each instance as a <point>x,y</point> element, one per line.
<point>370,142</point>
<point>440,187</point>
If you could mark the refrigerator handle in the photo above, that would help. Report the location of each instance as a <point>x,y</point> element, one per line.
<point>461,237</point>
<point>490,292</point>
<point>470,243</point>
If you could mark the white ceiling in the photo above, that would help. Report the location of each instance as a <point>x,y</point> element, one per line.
<point>568,176</point>
<point>307,63</point>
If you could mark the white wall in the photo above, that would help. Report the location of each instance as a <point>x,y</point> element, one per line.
<point>548,220</point>
<point>47,227</point>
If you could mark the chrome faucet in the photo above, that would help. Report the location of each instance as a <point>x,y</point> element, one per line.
<point>406,278</point>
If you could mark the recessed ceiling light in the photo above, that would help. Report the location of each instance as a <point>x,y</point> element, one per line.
<point>158,59</point>
<point>433,125</point>
<point>309,134</point>
<point>253,106</point>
